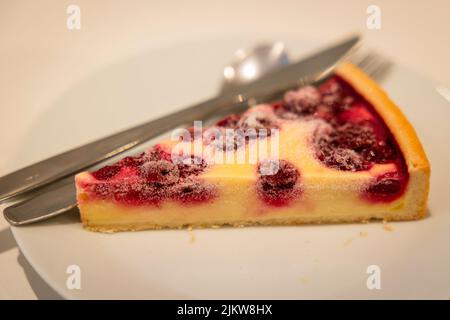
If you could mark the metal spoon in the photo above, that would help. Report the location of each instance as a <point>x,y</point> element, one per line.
<point>249,65</point>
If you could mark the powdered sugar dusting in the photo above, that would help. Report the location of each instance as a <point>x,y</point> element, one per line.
<point>282,186</point>
<point>150,178</point>
<point>303,100</point>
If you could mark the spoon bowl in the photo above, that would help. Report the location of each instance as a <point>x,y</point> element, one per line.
<point>249,65</point>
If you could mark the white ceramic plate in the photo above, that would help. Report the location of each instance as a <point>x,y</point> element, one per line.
<point>261,262</point>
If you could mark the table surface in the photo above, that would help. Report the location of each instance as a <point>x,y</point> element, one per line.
<point>36,46</point>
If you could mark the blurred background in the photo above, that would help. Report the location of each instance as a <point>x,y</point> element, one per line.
<point>41,59</point>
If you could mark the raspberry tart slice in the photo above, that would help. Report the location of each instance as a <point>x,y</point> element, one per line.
<point>345,153</point>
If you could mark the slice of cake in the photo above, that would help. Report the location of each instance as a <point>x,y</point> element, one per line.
<point>337,152</point>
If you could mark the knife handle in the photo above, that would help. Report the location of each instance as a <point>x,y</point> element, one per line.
<point>52,201</point>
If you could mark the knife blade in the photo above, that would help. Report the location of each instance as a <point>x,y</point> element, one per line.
<point>43,173</point>
<point>53,200</point>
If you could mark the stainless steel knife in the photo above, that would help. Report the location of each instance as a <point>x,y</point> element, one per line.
<point>52,199</point>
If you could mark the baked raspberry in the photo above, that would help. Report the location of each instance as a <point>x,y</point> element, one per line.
<point>352,147</point>
<point>160,172</point>
<point>341,148</point>
<point>225,139</point>
<point>134,162</point>
<point>193,191</point>
<point>136,194</point>
<point>100,190</point>
<point>386,187</point>
<point>341,158</point>
<point>382,152</point>
<point>324,112</point>
<point>127,195</point>
<point>277,182</point>
<point>354,137</point>
<point>106,173</point>
<point>282,112</point>
<point>335,95</point>
<point>356,114</point>
<point>162,179</point>
<point>193,167</point>
<point>304,100</point>
<point>332,92</point>
<point>230,121</point>
<point>331,87</point>
<point>193,134</point>
<point>157,153</point>
<point>257,120</point>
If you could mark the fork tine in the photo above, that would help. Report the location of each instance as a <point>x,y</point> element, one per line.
<point>374,64</point>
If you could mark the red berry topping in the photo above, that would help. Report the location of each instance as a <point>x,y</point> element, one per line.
<point>154,180</point>
<point>353,137</point>
<point>138,194</point>
<point>106,173</point>
<point>324,112</point>
<point>382,152</point>
<point>331,87</point>
<point>190,166</point>
<point>386,187</point>
<point>304,100</point>
<point>335,95</point>
<point>342,159</point>
<point>160,172</point>
<point>257,120</point>
<point>356,114</point>
<point>193,191</point>
<point>132,161</point>
<point>353,147</point>
<point>225,139</point>
<point>283,112</point>
<point>230,121</point>
<point>332,92</point>
<point>277,182</point>
<point>157,153</point>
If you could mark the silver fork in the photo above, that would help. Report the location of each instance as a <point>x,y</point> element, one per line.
<point>372,63</point>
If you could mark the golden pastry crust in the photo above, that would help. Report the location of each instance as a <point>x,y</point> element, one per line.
<point>402,130</point>
<point>113,227</point>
